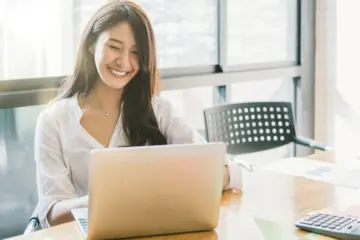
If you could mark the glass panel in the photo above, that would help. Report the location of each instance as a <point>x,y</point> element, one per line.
<point>265,90</point>
<point>190,103</point>
<point>83,11</point>
<point>40,42</point>
<point>43,41</point>
<point>261,31</point>
<point>18,196</point>
<point>184,35</point>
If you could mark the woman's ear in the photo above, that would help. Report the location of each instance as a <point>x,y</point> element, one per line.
<point>91,49</point>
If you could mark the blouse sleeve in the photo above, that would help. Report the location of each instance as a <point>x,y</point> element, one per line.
<point>52,173</point>
<point>178,131</point>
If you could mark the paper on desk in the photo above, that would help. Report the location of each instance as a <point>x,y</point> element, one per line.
<point>317,170</point>
<point>274,231</point>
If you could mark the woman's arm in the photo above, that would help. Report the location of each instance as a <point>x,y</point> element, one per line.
<point>60,211</point>
<point>56,193</point>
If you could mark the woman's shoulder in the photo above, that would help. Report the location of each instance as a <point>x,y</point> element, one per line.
<point>57,109</point>
<point>161,105</point>
<point>163,108</point>
<point>158,101</point>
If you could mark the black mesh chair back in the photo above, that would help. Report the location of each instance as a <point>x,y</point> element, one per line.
<point>250,127</point>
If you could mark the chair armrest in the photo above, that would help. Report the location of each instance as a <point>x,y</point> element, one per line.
<point>233,158</point>
<point>33,225</point>
<point>311,143</point>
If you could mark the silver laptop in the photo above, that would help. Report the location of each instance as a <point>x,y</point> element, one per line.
<point>152,190</point>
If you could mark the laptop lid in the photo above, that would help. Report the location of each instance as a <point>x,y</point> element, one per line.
<point>151,190</point>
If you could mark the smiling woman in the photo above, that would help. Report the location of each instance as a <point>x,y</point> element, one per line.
<point>110,100</point>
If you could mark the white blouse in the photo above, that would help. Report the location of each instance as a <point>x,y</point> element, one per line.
<point>62,148</point>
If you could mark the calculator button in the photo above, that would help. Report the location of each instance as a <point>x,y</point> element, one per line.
<point>343,225</point>
<point>347,222</point>
<point>307,222</point>
<point>314,218</point>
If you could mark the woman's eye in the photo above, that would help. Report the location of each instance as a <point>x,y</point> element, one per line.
<point>135,52</point>
<point>114,48</point>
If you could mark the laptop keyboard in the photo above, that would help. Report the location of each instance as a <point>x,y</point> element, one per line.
<point>83,224</point>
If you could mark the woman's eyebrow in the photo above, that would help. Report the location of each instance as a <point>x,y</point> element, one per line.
<point>116,40</point>
<point>119,41</point>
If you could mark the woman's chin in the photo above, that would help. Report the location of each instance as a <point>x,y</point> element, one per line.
<point>116,83</point>
<point>119,84</point>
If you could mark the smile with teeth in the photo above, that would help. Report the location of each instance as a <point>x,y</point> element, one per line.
<point>118,73</point>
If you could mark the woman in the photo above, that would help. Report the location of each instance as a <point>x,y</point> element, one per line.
<point>109,101</point>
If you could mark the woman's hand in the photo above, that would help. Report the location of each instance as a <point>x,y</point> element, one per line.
<point>61,211</point>
<point>226,178</point>
<point>84,201</point>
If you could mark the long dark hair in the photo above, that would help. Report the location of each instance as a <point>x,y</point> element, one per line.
<point>138,118</point>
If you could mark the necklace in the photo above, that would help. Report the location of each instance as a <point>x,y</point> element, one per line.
<point>80,99</point>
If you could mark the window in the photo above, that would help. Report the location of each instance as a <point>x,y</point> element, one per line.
<point>190,103</point>
<point>263,90</point>
<point>185,36</point>
<point>83,10</point>
<point>37,44</point>
<point>18,196</point>
<point>43,41</point>
<point>261,31</point>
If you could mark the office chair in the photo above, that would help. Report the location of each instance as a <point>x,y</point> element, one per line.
<point>34,223</point>
<point>254,126</point>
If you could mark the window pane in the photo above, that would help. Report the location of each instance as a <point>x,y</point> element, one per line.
<point>184,35</point>
<point>43,41</point>
<point>36,38</point>
<point>18,196</point>
<point>190,103</point>
<point>261,31</point>
<point>84,9</point>
<point>263,90</point>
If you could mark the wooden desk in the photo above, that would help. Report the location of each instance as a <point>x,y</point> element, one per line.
<point>279,198</point>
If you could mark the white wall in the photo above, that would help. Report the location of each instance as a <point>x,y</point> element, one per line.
<point>337,74</point>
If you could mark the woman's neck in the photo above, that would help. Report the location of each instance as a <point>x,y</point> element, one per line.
<point>104,98</point>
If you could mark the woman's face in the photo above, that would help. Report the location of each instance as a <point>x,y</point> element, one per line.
<point>116,56</point>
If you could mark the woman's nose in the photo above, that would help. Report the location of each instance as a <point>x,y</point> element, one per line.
<point>123,60</point>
